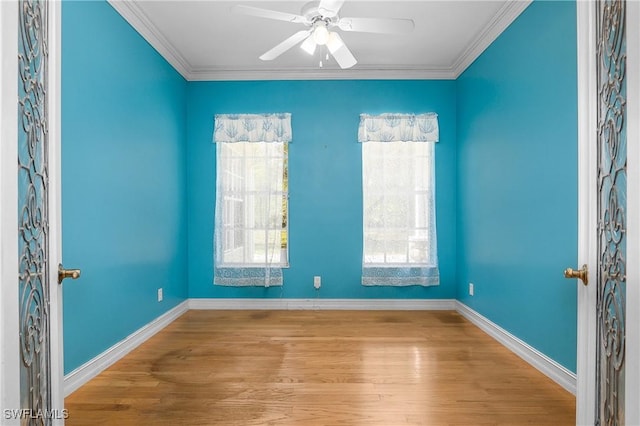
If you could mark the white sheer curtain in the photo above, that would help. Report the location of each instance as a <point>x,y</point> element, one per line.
<point>400,243</point>
<point>250,199</point>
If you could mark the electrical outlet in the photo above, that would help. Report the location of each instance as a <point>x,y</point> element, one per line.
<point>470,289</point>
<point>317,282</point>
<point>160,295</point>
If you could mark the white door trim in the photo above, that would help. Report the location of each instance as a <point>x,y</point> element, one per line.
<point>55,219</point>
<point>587,206</point>
<point>632,378</point>
<point>9,355</point>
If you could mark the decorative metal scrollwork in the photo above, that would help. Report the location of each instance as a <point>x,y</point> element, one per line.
<point>35,376</point>
<point>612,195</point>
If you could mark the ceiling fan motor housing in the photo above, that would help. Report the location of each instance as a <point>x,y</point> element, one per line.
<point>311,11</point>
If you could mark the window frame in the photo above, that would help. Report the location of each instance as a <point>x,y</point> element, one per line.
<point>240,196</point>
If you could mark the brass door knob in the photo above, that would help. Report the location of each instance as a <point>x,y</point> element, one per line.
<point>582,274</point>
<point>67,273</point>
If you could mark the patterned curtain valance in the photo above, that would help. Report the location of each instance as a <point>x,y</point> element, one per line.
<point>398,127</point>
<point>252,128</point>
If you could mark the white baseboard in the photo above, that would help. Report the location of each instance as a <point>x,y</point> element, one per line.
<point>95,366</point>
<point>325,304</point>
<point>537,359</point>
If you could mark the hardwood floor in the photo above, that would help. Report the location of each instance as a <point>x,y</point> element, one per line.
<point>321,368</point>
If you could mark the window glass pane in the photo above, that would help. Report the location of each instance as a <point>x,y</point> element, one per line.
<point>274,173</point>
<point>422,178</point>
<point>254,202</point>
<point>396,173</point>
<point>396,246</point>
<point>274,249</point>
<point>373,211</point>
<point>256,251</point>
<point>257,149</point>
<point>418,247</point>
<point>396,204</point>
<point>420,215</point>
<point>234,251</point>
<point>374,247</point>
<point>237,212</point>
<point>397,210</point>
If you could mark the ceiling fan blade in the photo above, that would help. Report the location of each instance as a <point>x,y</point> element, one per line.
<point>285,45</point>
<point>377,25</point>
<point>329,8</point>
<point>341,52</point>
<point>269,14</point>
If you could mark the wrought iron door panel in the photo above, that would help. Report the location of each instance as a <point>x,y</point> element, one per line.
<point>612,200</point>
<point>33,215</point>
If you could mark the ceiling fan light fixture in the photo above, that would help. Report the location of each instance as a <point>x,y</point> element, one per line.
<point>309,45</point>
<point>321,34</point>
<point>334,42</point>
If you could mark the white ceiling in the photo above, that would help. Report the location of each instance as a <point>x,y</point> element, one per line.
<point>203,40</point>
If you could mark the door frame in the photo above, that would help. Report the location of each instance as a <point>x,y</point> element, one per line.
<point>587,214</point>
<point>55,207</point>
<point>9,355</point>
<point>9,269</point>
<point>632,399</point>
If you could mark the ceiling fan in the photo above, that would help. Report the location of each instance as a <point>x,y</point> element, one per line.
<point>321,18</point>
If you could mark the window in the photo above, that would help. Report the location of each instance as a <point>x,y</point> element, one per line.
<point>251,223</point>
<point>399,244</point>
<point>254,203</point>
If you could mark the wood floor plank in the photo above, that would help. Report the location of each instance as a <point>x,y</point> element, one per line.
<point>321,368</point>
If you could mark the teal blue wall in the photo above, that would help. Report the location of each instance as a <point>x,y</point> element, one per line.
<point>325,180</point>
<point>123,180</point>
<point>517,180</point>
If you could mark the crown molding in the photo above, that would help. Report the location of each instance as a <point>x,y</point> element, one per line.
<point>132,13</point>
<point>359,73</point>
<point>500,22</point>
